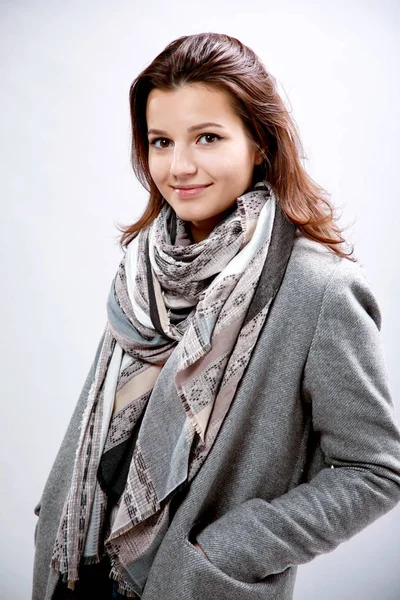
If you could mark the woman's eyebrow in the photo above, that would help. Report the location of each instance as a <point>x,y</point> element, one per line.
<point>190,129</point>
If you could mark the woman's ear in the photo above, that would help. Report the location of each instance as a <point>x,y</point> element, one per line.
<point>259,158</point>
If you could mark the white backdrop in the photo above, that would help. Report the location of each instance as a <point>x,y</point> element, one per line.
<point>66,181</point>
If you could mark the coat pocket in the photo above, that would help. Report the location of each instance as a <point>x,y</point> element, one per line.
<point>180,570</point>
<point>210,582</point>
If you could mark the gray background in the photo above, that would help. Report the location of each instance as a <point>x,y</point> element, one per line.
<point>66,181</point>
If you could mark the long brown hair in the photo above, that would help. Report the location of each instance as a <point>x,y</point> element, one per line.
<point>223,62</point>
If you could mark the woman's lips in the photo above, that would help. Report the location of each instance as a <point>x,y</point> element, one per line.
<point>190,192</point>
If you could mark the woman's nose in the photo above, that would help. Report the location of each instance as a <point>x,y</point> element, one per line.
<point>182,162</point>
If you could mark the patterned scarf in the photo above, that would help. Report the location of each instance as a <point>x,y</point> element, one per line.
<point>178,307</point>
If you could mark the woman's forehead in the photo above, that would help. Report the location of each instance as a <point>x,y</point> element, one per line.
<point>188,106</point>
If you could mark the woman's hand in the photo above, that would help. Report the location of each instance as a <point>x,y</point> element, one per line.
<point>196,545</point>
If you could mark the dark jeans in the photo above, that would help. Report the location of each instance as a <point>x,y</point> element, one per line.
<point>93,584</point>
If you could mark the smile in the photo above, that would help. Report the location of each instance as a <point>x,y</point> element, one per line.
<point>190,192</point>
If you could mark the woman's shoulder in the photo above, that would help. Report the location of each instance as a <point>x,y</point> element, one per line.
<point>316,274</point>
<point>319,265</point>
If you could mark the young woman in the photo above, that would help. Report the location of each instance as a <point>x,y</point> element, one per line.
<point>237,420</point>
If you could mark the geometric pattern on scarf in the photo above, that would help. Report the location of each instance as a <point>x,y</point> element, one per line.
<point>181,308</point>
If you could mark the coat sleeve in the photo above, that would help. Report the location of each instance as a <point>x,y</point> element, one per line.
<point>346,379</point>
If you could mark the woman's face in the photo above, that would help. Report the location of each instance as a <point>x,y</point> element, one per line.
<point>220,157</point>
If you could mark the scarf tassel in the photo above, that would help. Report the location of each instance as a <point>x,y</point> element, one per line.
<point>123,587</point>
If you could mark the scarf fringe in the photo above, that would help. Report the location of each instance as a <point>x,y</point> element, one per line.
<point>67,576</point>
<point>71,576</point>
<point>90,560</point>
<point>123,587</point>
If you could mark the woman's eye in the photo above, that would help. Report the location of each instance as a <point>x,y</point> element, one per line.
<point>206,135</point>
<point>153,143</point>
<point>210,135</point>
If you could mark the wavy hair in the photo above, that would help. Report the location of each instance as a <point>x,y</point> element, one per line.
<point>223,62</point>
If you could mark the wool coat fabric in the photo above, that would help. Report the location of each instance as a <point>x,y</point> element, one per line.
<point>307,456</point>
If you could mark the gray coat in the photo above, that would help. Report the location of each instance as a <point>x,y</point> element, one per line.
<point>308,455</point>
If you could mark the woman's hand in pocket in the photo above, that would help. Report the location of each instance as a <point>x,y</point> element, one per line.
<point>196,545</point>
